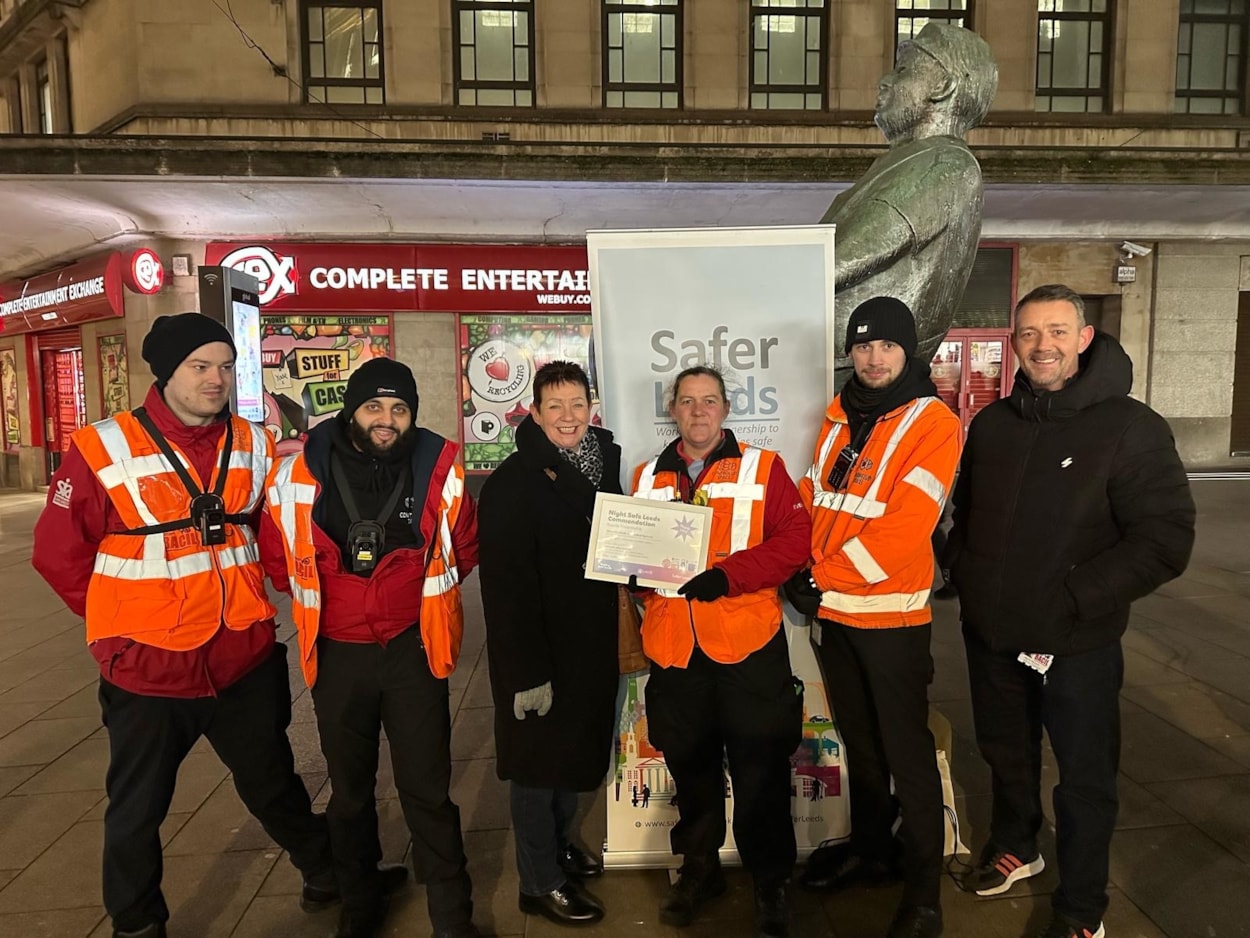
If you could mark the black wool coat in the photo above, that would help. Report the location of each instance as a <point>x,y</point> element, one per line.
<point>1069,506</point>
<point>544,620</point>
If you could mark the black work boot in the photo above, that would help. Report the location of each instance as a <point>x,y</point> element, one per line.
<point>698,880</point>
<point>772,911</point>
<point>155,930</point>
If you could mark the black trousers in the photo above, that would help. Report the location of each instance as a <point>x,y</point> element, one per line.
<point>148,739</point>
<point>878,685</point>
<point>750,713</point>
<point>1078,703</point>
<point>361,689</point>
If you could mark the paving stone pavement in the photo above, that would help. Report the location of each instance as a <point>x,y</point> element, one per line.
<point>1180,859</point>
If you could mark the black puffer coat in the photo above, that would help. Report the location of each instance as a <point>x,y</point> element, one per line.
<point>1069,506</point>
<point>544,620</point>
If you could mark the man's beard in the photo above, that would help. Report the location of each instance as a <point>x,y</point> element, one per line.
<point>401,445</point>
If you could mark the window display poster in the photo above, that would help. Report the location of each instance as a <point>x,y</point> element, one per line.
<point>306,361</point>
<point>8,398</point>
<point>114,375</point>
<point>498,358</point>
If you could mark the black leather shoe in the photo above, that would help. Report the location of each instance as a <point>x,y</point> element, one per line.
<point>392,877</point>
<point>576,862</point>
<point>772,911</point>
<point>467,930</point>
<point>320,891</point>
<point>698,880</point>
<point>568,905</point>
<point>361,921</point>
<point>916,921</point>
<point>155,930</point>
<point>851,870</point>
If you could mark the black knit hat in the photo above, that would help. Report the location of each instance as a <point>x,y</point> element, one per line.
<point>172,338</point>
<point>380,377</point>
<point>882,317</point>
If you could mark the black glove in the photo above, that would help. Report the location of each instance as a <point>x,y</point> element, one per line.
<point>803,594</point>
<point>707,587</point>
<point>633,586</point>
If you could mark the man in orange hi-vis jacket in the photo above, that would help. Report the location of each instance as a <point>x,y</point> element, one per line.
<point>884,462</point>
<point>148,534</point>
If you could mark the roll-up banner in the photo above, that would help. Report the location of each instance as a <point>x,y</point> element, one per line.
<point>758,303</point>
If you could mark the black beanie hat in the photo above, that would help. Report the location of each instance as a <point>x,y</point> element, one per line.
<point>172,338</point>
<point>380,377</point>
<point>882,317</point>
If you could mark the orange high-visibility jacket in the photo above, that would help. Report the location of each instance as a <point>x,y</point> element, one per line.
<point>167,589</point>
<point>291,493</point>
<point>730,628</point>
<point>871,549</point>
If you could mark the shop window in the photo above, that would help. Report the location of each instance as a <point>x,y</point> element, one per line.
<point>642,53</point>
<point>1073,55</point>
<point>1211,56</point>
<point>494,51</point>
<point>988,298</point>
<point>789,49</point>
<point>343,52</point>
<point>911,16</point>
<point>43,96</point>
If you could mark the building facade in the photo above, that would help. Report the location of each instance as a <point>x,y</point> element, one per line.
<point>204,129</point>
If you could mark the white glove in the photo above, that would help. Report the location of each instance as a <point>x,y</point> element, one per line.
<point>536,698</point>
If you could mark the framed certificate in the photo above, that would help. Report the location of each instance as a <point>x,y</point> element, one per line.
<point>663,544</point>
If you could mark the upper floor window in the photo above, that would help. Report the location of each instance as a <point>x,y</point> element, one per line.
<point>642,52</point>
<point>1073,55</point>
<point>343,52</point>
<point>788,53</point>
<point>1211,56</point>
<point>494,52</point>
<point>911,16</point>
<point>43,96</point>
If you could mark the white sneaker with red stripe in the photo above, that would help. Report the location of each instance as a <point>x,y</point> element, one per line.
<point>999,870</point>
<point>1063,927</point>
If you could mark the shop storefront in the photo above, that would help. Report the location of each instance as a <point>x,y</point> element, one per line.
<point>50,324</point>
<point>473,321</point>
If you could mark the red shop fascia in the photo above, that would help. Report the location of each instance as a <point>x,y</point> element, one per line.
<point>53,305</point>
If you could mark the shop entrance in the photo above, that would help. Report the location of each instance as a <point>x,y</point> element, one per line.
<point>64,392</point>
<point>972,369</point>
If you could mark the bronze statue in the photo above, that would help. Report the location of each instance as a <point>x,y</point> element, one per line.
<point>909,228</point>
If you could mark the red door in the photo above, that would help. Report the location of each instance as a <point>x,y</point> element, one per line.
<point>971,370</point>
<point>64,392</point>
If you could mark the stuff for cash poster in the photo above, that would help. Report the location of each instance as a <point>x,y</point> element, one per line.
<point>8,397</point>
<point>307,361</point>
<point>114,375</point>
<point>498,358</point>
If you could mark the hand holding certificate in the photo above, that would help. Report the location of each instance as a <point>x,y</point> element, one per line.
<point>663,544</point>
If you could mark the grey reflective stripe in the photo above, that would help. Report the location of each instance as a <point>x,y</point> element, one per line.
<point>880,603</point>
<point>856,505</point>
<point>308,598</point>
<point>288,496</point>
<point>122,568</point>
<point>125,470</point>
<point>745,492</point>
<point>928,483</point>
<point>862,559</point>
<point>905,423</point>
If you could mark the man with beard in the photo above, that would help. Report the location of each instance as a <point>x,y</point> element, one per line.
<point>371,532</point>
<point>884,461</point>
<point>909,227</point>
<point>1072,503</point>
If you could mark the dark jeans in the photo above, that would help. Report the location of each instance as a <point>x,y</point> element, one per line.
<point>148,739</point>
<point>361,689</point>
<point>750,713</point>
<point>878,685</point>
<point>1078,702</point>
<point>541,818</point>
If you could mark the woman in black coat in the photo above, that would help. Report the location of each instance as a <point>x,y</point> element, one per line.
<point>551,635</point>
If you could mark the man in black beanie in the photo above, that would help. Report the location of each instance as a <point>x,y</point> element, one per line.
<point>148,535</point>
<point>371,531</point>
<point>884,462</point>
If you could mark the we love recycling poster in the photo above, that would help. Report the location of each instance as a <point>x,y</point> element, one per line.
<point>498,358</point>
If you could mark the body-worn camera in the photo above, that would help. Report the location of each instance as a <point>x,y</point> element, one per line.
<point>208,514</point>
<point>842,466</point>
<point>365,540</point>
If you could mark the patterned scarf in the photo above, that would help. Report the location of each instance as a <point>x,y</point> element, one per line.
<point>587,457</point>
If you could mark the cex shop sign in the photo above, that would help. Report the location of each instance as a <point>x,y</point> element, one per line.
<point>419,277</point>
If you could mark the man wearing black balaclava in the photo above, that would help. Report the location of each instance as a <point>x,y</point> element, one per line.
<point>884,462</point>
<point>372,533</point>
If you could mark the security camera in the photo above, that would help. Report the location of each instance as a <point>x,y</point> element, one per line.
<point>1133,249</point>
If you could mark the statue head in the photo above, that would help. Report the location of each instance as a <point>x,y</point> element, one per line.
<point>943,82</point>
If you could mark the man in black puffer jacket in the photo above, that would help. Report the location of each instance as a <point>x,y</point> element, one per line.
<point>1071,503</point>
